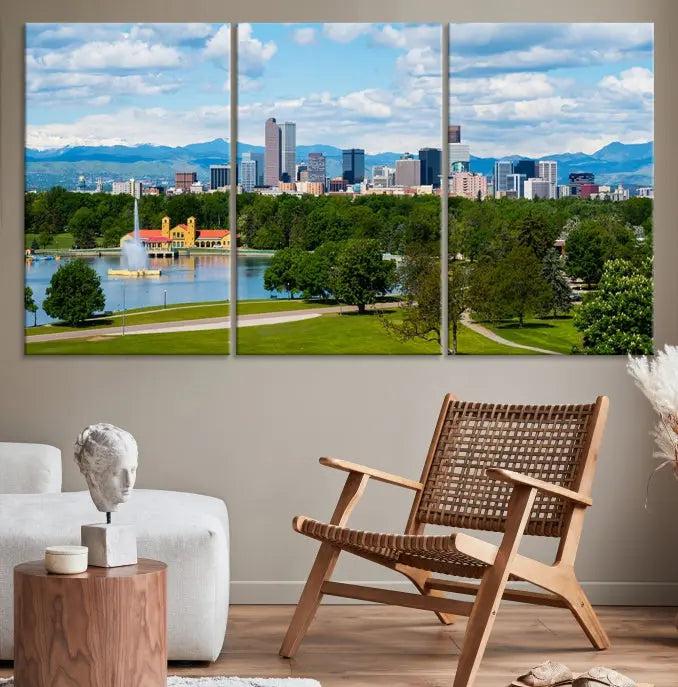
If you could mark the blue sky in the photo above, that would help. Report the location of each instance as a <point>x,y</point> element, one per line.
<point>529,89</point>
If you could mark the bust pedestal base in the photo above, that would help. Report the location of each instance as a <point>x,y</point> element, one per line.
<point>109,546</point>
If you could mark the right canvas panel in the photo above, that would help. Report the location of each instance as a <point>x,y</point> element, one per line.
<point>550,142</point>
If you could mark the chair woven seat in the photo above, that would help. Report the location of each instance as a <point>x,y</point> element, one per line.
<point>427,552</point>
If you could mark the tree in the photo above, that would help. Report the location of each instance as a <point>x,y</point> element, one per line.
<point>83,226</point>
<point>511,287</point>
<point>315,271</point>
<point>284,272</point>
<point>458,297</point>
<point>74,293</point>
<point>561,293</point>
<point>617,319</point>
<point>30,305</point>
<point>361,274</point>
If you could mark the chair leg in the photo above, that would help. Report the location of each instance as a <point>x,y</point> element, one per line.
<point>418,579</point>
<point>310,599</point>
<point>587,618</point>
<point>480,626</point>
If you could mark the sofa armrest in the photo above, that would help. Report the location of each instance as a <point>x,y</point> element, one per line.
<point>29,469</point>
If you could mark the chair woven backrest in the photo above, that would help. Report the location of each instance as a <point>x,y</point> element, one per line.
<point>546,442</point>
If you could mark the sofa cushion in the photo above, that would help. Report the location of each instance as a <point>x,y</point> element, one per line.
<point>189,532</point>
<point>29,468</point>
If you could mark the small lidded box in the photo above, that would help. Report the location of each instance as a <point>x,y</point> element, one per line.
<point>66,560</point>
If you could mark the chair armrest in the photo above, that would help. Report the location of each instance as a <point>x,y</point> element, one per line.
<point>518,478</point>
<point>380,476</point>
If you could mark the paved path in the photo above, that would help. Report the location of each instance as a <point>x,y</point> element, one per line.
<point>204,323</point>
<point>488,333</point>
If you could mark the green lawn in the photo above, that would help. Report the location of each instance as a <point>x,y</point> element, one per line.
<point>554,334</point>
<point>177,312</point>
<point>211,342</point>
<point>348,334</point>
<point>472,343</point>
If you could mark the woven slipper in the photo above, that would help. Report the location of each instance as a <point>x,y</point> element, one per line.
<point>548,674</point>
<point>603,676</point>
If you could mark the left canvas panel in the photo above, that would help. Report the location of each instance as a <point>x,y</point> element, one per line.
<point>127,173</point>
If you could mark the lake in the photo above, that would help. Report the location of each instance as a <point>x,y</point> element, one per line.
<point>185,280</point>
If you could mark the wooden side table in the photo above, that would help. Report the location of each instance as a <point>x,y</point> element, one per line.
<point>106,627</point>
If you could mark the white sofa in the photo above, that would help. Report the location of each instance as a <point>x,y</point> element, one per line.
<point>189,532</point>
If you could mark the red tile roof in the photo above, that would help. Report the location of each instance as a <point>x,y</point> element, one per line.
<point>212,233</point>
<point>151,235</point>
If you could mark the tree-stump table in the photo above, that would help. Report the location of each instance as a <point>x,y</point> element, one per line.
<point>106,627</point>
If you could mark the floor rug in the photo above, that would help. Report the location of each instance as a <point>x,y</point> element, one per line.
<point>223,682</point>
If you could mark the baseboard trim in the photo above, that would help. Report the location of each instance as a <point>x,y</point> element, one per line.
<point>600,593</point>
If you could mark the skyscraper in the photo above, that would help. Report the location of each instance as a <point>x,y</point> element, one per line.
<point>548,170</point>
<point>408,171</point>
<point>219,176</point>
<point>502,168</point>
<point>353,165</point>
<point>515,185</point>
<point>316,167</point>
<point>248,173</point>
<point>271,153</point>
<point>537,188</point>
<point>288,150</point>
<point>259,159</point>
<point>526,167</point>
<point>579,179</point>
<point>183,180</point>
<point>430,166</point>
<point>459,153</point>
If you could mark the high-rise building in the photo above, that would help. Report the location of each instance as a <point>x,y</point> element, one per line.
<point>537,188</point>
<point>430,166</point>
<point>579,179</point>
<point>288,150</point>
<point>548,169</point>
<point>645,192</point>
<point>130,187</point>
<point>454,133</point>
<point>468,185</point>
<point>316,166</point>
<point>526,167</point>
<point>515,185</point>
<point>300,169</point>
<point>183,180</point>
<point>248,173</point>
<point>459,153</point>
<point>502,168</point>
<point>383,176</point>
<point>563,190</point>
<point>337,184</point>
<point>353,165</point>
<point>220,176</point>
<point>271,153</point>
<point>408,171</point>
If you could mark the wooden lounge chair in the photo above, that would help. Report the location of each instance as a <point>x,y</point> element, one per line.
<point>516,469</point>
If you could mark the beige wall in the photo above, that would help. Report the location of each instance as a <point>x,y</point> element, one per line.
<point>250,430</point>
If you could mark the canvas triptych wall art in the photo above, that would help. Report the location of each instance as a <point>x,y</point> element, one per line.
<point>343,159</point>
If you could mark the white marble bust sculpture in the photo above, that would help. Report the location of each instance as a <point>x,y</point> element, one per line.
<point>107,456</point>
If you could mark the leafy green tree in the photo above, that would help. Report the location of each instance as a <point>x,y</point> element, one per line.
<point>554,274</point>
<point>285,271</point>
<point>512,287</point>
<point>315,271</point>
<point>83,226</point>
<point>458,297</point>
<point>74,293</point>
<point>617,318</point>
<point>30,305</point>
<point>361,274</point>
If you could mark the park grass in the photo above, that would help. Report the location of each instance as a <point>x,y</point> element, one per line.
<point>176,313</point>
<point>553,334</point>
<point>210,342</point>
<point>62,241</point>
<point>472,343</point>
<point>350,334</point>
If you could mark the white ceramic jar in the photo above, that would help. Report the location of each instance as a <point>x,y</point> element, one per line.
<point>66,560</point>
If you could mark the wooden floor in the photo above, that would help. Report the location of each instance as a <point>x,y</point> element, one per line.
<point>377,646</point>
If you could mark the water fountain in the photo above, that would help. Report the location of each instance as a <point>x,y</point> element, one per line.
<point>135,257</point>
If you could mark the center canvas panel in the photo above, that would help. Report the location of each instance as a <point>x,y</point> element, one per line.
<point>339,154</point>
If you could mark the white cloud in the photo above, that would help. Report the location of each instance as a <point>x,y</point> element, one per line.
<point>536,109</point>
<point>633,82</point>
<point>406,37</point>
<point>99,55</point>
<point>253,54</point>
<point>131,126</point>
<point>345,32</point>
<point>304,36</point>
<point>75,85</point>
<point>369,102</point>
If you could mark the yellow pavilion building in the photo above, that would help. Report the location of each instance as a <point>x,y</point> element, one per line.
<point>181,236</point>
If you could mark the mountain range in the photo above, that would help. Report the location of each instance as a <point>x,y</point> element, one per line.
<point>630,164</point>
